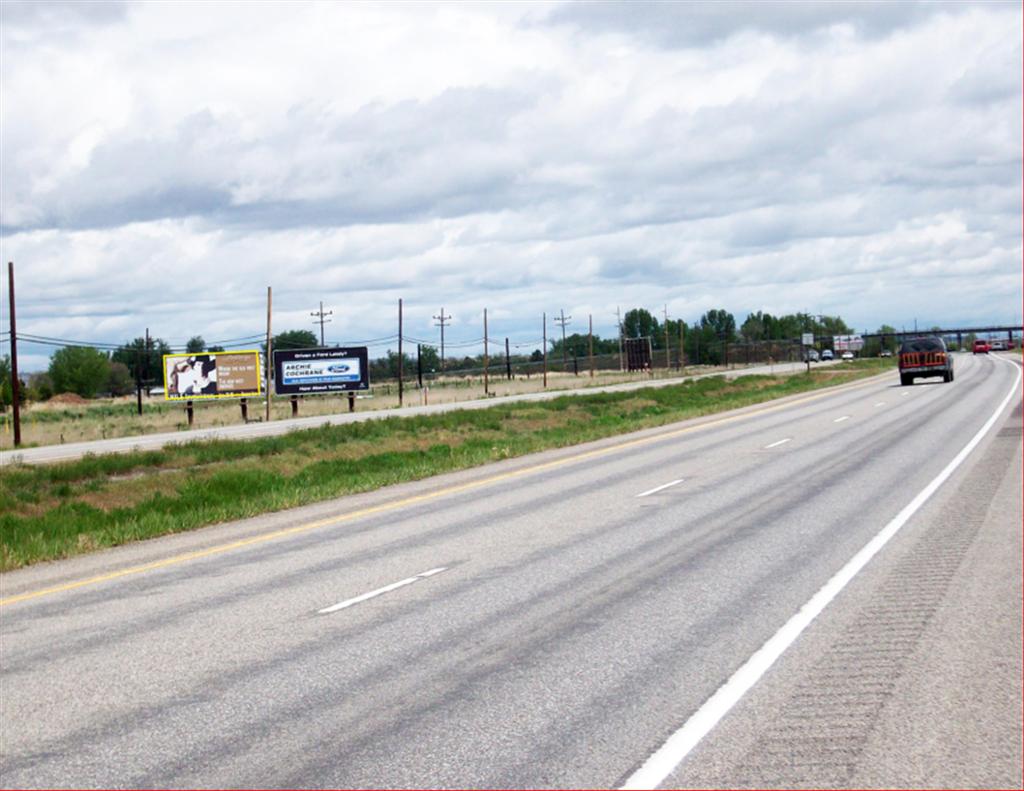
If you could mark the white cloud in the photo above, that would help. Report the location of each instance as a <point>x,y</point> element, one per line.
<point>164,163</point>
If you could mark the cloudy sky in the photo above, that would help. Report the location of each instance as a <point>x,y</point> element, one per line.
<point>163,163</point>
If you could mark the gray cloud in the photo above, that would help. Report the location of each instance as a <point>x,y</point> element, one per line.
<point>702,22</point>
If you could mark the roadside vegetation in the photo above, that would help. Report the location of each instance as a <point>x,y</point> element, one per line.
<point>55,511</point>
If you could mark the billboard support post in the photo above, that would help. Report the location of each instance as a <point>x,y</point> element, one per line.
<point>190,412</point>
<point>351,402</point>
<point>244,403</point>
<point>295,406</point>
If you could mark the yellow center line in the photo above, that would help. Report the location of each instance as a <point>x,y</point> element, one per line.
<point>415,499</point>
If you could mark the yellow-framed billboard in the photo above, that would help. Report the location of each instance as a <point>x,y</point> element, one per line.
<point>193,377</point>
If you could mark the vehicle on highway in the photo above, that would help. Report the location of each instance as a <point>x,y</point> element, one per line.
<point>847,355</point>
<point>826,354</point>
<point>998,346</point>
<point>885,353</point>
<point>811,356</point>
<point>924,357</point>
<point>981,347</point>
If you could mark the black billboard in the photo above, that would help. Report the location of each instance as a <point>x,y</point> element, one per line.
<point>321,371</point>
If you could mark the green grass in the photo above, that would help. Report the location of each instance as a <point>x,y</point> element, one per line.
<point>54,511</point>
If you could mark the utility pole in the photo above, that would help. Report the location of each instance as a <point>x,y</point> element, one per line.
<point>590,343</point>
<point>321,320</point>
<point>15,385</point>
<point>562,321</point>
<point>508,362</point>
<point>486,358</point>
<point>419,365</point>
<point>149,379</point>
<point>442,322</point>
<point>682,346</point>
<point>545,321</point>
<point>270,353</point>
<point>618,320</point>
<point>668,349</point>
<point>400,394</point>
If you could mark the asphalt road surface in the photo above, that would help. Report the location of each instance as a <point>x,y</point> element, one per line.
<point>75,450</point>
<point>821,592</point>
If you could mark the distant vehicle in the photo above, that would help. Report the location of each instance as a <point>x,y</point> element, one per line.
<point>924,357</point>
<point>811,356</point>
<point>826,354</point>
<point>981,347</point>
<point>885,353</point>
<point>998,346</point>
<point>847,355</point>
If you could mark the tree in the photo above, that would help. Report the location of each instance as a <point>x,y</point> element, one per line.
<point>6,393</point>
<point>294,339</point>
<point>120,381</point>
<point>639,323</point>
<point>79,369</point>
<point>721,323</point>
<point>145,365</point>
<point>195,345</point>
<point>429,358</point>
<point>216,348</point>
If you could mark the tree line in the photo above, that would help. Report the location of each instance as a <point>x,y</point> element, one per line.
<point>88,371</point>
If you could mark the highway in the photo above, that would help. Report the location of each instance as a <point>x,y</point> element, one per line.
<point>821,592</point>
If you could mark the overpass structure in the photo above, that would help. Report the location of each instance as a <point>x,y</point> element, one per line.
<point>1010,330</point>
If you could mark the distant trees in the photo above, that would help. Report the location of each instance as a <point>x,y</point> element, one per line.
<point>195,345</point>
<point>79,369</point>
<point>294,339</point>
<point>145,364</point>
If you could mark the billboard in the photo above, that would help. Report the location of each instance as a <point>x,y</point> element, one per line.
<point>211,375</point>
<point>847,343</point>
<point>321,371</point>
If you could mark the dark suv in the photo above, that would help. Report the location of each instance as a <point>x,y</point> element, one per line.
<point>921,357</point>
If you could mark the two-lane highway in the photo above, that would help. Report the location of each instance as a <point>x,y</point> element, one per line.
<point>639,611</point>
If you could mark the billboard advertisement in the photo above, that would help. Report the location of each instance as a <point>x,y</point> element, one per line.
<point>211,375</point>
<point>847,343</point>
<point>321,371</point>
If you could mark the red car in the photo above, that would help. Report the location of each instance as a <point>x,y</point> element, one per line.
<point>981,347</point>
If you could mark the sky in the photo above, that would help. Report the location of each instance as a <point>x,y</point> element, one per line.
<point>163,163</point>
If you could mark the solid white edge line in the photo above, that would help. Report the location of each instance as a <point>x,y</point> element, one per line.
<point>665,760</point>
<point>880,403</point>
<point>776,444</point>
<point>841,419</point>
<point>379,591</point>
<point>659,488</point>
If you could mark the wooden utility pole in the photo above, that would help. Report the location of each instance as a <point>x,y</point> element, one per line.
<point>682,346</point>
<point>400,393</point>
<point>668,346</point>
<point>442,322</point>
<point>508,362</point>
<point>15,384</point>
<point>563,321</point>
<point>270,353</point>
<point>145,362</point>
<point>590,343</point>
<point>545,321</point>
<point>486,358</point>
<point>618,318</point>
<point>321,320</point>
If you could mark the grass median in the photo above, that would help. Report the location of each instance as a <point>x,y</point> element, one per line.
<point>56,511</point>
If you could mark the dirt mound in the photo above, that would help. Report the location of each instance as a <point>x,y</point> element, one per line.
<point>68,398</point>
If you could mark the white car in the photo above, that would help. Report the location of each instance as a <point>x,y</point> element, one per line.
<point>847,356</point>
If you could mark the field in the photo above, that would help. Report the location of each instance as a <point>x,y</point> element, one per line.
<point>71,419</point>
<point>54,511</point>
